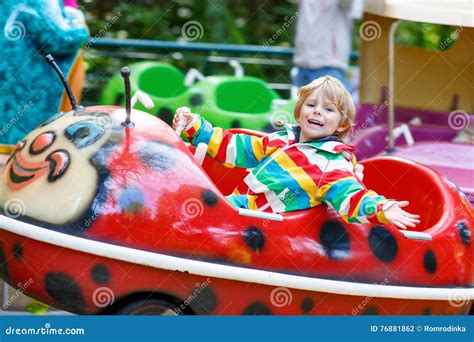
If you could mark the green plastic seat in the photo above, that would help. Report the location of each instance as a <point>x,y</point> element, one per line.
<point>225,101</point>
<point>163,82</point>
<point>236,102</point>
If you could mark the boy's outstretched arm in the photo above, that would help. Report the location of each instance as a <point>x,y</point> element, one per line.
<point>231,149</point>
<point>356,204</point>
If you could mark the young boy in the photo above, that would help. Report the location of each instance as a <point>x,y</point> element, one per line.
<point>302,166</point>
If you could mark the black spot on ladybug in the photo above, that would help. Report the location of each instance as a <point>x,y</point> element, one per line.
<point>119,99</point>
<point>307,305</point>
<point>158,156</point>
<point>206,300</point>
<point>209,197</point>
<point>257,308</point>
<point>18,251</point>
<point>196,100</point>
<point>254,238</point>
<point>464,233</point>
<point>3,265</point>
<point>166,115</point>
<point>427,311</point>
<point>429,261</point>
<point>131,199</point>
<point>100,274</point>
<point>64,290</point>
<point>383,244</point>
<point>370,311</point>
<point>235,124</point>
<point>335,239</point>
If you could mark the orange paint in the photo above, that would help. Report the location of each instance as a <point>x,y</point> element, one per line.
<point>42,142</point>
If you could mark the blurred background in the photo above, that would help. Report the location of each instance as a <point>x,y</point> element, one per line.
<point>241,22</point>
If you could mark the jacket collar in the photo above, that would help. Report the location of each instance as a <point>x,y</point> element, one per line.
<point>332,143</point>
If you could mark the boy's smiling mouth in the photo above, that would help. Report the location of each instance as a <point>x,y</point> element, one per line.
<point>315,122</point>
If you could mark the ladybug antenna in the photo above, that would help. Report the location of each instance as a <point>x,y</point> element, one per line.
<point>125,72</point>
<point>72,99</point>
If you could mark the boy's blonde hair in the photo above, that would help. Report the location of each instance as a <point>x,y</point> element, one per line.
<point>332,89</point>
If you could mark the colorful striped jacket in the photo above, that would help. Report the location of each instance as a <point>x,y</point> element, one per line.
<point>286,175</point>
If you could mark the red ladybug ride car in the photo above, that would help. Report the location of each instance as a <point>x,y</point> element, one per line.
<point>105,211</point>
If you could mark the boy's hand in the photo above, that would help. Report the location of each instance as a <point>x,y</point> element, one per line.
<point>182,118</point>
<point>399,217</point>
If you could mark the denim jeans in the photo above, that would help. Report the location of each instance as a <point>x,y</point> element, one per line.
<point>306,75</point>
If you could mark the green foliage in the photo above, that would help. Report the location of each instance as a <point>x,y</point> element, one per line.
<point>427,36</point>
<point>222,21</point>
<point>36,307</point>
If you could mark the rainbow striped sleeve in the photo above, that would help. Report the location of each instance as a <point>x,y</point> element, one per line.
<point>231,149</point>
<point>351,199</point>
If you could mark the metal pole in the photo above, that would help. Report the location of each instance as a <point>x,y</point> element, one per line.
<point>153,45</point>
<point>391,86</point>
<point>6,295</point>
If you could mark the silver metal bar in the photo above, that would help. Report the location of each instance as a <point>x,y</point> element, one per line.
<point>391,84</point>
<point>6,295</point>
<point>260,214</point>
<point>409,234</point>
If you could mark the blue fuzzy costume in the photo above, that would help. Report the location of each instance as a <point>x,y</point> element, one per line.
<point>30,90</point>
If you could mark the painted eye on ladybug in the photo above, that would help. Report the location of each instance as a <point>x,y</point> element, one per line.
<point>84,133</point>
<point>42,142</point>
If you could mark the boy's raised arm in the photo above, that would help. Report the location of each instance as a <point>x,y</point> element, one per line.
<point>230,149</point>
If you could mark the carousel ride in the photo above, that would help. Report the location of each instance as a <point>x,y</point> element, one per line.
<point>126,208</point>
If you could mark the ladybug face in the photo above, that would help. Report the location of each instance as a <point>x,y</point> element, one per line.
<point>54,161</point>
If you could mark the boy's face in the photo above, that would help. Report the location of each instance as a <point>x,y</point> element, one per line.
<point>318,118</point>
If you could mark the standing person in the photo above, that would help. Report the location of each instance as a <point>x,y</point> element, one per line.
<point>323,40</point>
